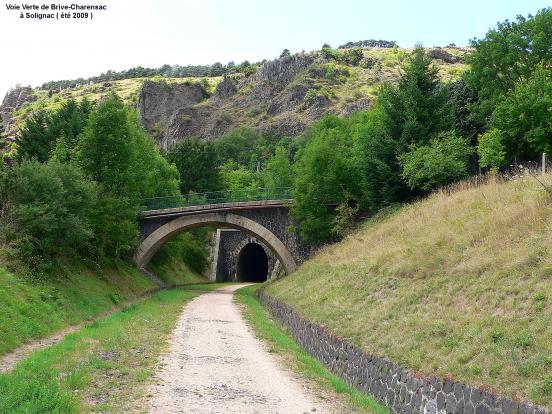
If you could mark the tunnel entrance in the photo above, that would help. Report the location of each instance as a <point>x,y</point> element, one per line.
<point>252,264</point>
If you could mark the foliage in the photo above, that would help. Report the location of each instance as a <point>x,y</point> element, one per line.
<point>369,43</point>
<point>239,180</point>
<point>491,150</point>
<point>278,172</point>
<point>189,248</point>
<point>523,117</point>
<point>48,211</point>
<point>508,54</point>
<point>40,132</point>
<point>80,198</point>
<point>442,161</point>
<point>378,151</point>
<point>326,175</point>
<point>166,71</point>
<point>285,53</point>
<point>420,107</point>
<point>244,146</point>
<point>196,161</point>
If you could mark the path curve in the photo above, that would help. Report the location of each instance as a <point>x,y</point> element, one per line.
<point>216,365</point>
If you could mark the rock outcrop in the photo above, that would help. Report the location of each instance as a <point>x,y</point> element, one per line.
<point>14,100</point>
<point>159,101</point>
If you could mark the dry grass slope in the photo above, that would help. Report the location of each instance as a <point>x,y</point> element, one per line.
<point>458,283</point>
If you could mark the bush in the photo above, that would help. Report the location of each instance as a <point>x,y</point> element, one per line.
<point>491,150</point>
<point>441,162</point>
<point>48,211</point>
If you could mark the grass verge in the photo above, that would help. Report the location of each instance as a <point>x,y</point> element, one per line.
<point>458,284</point>
<point>309,367</point>
<point>102,367</point>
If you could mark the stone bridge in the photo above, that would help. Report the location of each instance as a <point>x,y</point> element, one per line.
<point>254,239</point>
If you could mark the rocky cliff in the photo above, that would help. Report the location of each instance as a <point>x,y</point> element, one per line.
<point>284,95</point>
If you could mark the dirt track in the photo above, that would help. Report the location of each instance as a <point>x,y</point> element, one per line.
<point>216,365</point>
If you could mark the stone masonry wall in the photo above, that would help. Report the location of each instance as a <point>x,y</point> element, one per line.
<point>389,383</point>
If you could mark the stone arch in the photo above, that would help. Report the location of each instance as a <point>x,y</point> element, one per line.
<point>157,238</point>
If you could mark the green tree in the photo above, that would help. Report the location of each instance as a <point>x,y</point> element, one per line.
<point>239,180</point>
<point>442,161</point>
<point>523,117</point>
<point>278,172</point>
<point>48,211</point>
<point>285,53</point>
<point>196,161</point>
<point>508,54</point>
<point>491,150</point>
<point>420,107</point>
<point>378,151</point>
<point>43,132</point>
<point>410,115</point>
<point>106,147</point>
<point>326,174</point>
<point>33,140</point>
<point>244,146</point>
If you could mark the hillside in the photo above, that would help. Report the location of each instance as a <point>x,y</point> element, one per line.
<point>33,309</point>
<point>457,284</point>
<point>284,95</point>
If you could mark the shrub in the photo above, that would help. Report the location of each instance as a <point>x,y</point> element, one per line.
<point>491,151</point>
<point>47,212</point>
<point>443,161</point>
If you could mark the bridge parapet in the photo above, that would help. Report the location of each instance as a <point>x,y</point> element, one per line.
<point>266,219</point>
<point>216,198</point>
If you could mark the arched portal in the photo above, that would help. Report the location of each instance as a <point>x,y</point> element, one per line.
<point>252,264</point>
<point>156,239</point>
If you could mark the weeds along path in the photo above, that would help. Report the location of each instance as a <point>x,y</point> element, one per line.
<point>215,364</point>
<point>9,361</point>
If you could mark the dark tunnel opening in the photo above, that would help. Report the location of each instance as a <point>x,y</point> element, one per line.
<point>252,264</point>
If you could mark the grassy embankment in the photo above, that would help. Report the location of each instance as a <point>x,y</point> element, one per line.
<point>282,343</point>
<point>102,368</point>
<point>35,309</point>
<point>458,283</point>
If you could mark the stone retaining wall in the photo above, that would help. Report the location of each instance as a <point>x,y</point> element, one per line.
<point>389,383</point>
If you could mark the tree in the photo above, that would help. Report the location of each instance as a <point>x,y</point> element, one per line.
<point>285,53</point>
<point>407,116</point>
<point>491,150</point>
<point>508,54</point>
<point>278,172</point>
<point>106,146</point>
<point>48,211</point>
<point>33,140</point>
<point>523,117</point>
<point>326,174</point>
<point>442,161</point>
<point>244,146</point>
<point>420,107</point>
<point>42,132</point>
<point>196,161</point>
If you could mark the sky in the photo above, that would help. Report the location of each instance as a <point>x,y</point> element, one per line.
<point>151,33</point>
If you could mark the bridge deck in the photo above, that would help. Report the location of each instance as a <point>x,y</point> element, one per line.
<point>217,207</point>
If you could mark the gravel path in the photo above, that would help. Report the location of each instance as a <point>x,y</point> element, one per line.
<point>216,365</point>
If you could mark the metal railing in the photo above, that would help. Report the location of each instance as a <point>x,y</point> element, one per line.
<point>216,197</point>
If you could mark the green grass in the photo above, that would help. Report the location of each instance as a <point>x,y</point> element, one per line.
<point>34,309</point>
<point>459,283</point>
<point>102,368</point>
<point>281,342</point>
